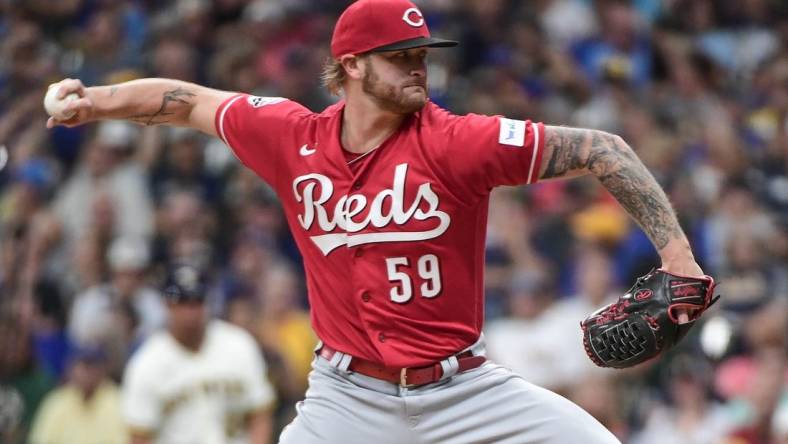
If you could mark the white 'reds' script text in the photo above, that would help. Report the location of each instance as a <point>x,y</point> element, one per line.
<point>314,190</point>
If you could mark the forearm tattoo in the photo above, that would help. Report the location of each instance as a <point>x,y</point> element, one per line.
<point>170,100</point>
<point>619,170</point>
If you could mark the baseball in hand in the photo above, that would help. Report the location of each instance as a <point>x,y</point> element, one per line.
<point>55,107</point>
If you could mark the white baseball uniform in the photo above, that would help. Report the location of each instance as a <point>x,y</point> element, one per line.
<point>184,397</point>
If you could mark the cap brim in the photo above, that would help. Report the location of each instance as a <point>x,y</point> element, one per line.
<point>173,293</point>
<point>418,42</point>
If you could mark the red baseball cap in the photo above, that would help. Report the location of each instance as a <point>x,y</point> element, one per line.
<point>382,25</point>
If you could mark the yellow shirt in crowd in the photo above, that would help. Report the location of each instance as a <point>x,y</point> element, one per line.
<point>66,417</point>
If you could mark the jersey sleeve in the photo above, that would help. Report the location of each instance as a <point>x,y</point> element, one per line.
<point>258,130</point>
<point>483,152</point>
<point>140,406</point>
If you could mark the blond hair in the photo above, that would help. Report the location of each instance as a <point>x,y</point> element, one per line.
<point>333,76</point>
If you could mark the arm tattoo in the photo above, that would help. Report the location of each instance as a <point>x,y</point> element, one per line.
<point>113,90</point>
<point>178,96</point>
<point>619,170</point>
<point>568,145</point>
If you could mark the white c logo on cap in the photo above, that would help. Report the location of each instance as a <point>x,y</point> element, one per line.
<point>415,23</point>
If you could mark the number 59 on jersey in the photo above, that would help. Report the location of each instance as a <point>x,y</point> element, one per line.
<point>429,272</point>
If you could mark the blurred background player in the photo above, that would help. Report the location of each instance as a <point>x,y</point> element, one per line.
<point>201,380</point>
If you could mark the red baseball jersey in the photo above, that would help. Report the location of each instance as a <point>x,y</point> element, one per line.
<point>393,240</point>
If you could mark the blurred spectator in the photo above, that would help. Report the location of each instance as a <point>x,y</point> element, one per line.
<point>595,282</point>
<point>767,326</point>
<point>122,312</point>
<point>184,168</point>
<point>175,59</point>
<point>621,50</point>
<point>23,383</point>
<point>567,21</point>
<point>297,81</point>
<point>691,415</point>
<point>104,46</point>
<point>483,40</point>
<point>26,56</point>
<point>244,312</point>
<point>25,196</point>
<point>528,341</point>
<point>270,310</point>
<point>105,197</point>
<point>737,213</point>
<point>780,424</point>
<point>749,279</point>
<point>509,231</point>
<point>49,328</point>
<point>106,170</point>
<point>766,392</point>
<point>86,409</point>
<point>598,395</point>
<point>201,380</point>
<point>283,324</point>
<point>742,48</point>
<point>185,226</point>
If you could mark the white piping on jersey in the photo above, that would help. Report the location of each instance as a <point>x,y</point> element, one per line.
<point>221,119</point>
<point>536,151</point>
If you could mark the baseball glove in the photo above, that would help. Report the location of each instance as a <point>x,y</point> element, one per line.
<point>644,321</point>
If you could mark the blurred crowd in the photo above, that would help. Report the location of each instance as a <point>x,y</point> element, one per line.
<point>92,217</point>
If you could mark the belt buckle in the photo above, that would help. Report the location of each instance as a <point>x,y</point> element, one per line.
<point>403,378</point>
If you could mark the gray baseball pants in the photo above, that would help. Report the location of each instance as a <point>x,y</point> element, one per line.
<point>489,404</point>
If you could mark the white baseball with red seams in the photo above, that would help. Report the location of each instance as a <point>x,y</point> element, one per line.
<point>55,107</point>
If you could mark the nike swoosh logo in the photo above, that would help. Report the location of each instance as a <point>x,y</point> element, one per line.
<point>306,151</point>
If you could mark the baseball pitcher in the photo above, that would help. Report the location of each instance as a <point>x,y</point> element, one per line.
<point>386,195</point>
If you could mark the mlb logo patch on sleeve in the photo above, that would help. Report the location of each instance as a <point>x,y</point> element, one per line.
<point>257,101</point>
<point>512,132</point>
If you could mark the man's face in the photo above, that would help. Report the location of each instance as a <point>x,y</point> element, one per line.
<point>397,80</point>
<point>127,280</point>
<point>188,317</point>
<point>87,376</point>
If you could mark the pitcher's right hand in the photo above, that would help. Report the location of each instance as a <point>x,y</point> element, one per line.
<point>82,107</point>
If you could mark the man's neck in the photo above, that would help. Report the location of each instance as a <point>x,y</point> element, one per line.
<point>87,393</point>
<point>191,342</point>
<point>365,126</point>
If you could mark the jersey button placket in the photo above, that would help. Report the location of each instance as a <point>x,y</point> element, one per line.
<point>382,337</point>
